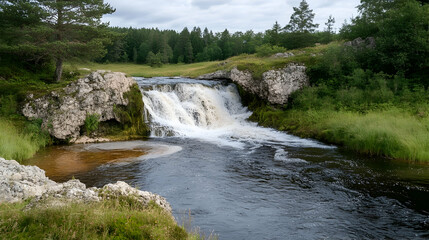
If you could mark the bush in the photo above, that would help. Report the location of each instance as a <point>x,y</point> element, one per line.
<point>268,50</point>
<point>8,105</point>
<point>131,116</point>
<point>154,60</point>
<point>91,123</point>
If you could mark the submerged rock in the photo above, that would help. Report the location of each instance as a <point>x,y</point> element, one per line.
<point>18,182</point>
<point>64,111</point>
<point>275,86</point>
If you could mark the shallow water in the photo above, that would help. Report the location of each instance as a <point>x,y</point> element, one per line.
<point>246,182</point>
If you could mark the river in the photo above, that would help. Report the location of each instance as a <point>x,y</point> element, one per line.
<point>241,181</point>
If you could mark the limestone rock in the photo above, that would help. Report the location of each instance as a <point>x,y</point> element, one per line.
<point>64,111</point>
<point>275,86</point>
<point>123,189</point>
<point>283,55</point>
<point>18,182</point>
<point>218,75</point>
<point>280,84</point>
<point>360,43</point>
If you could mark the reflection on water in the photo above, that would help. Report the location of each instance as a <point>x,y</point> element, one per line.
<point>62,163</point>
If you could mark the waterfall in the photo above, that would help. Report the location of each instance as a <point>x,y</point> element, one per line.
<point>206,110</point>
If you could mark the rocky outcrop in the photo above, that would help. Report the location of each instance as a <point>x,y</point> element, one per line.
<point>64,111</point>
<point>18,182</point>
<point>280,84</point>
<point>283,55</point>
<point>275,86</point>
<point>359,43</point>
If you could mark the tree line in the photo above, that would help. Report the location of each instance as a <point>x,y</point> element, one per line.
<point>40,34</point>
<point>155,47</point>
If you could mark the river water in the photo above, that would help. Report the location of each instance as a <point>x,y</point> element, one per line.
<point>241,181</point>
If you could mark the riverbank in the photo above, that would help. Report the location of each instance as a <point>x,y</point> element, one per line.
<point>391,133</point>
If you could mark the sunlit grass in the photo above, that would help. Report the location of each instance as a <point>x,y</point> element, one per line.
<point>108,219</point>
<point>140,70</point>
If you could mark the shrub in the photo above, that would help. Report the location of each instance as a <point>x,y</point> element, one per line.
<point>91,123</point>
<point>154,60</point>
<point>268,50</point>
<point>131,116</point>
<point>8,105</point>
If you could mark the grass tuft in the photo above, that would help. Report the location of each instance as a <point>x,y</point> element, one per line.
<point>108,219</point>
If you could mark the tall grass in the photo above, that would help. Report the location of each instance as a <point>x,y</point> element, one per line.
<point>108,219</point>
<point>23,143</point>
<point>392,133</point>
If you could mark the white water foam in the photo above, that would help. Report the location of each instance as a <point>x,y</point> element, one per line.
<point>209,113</point>
<point>283,156</point>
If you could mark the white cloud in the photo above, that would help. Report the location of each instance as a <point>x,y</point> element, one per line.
<point>217,15</point>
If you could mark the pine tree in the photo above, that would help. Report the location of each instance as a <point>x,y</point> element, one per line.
<point>274,34</point>
<point>302,19</point>
<point>330,24</point>
<point>166,51</point>
<point>64,30</point>
<point>225,44</point>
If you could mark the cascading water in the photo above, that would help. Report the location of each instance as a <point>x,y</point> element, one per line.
<point>206,110</point>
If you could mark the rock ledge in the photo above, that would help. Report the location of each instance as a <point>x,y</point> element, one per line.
<point>18,182</point>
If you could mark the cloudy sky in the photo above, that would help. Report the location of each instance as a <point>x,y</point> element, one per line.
<point>217,15</point>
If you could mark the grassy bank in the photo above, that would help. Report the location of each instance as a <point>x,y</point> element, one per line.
<point>393,133</point>
<point>108,219</point>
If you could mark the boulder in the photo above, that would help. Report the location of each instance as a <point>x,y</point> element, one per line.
<point>64,111</point>
<point>280,84</point>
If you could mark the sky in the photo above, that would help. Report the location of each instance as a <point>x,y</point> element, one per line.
<point>218,15</point>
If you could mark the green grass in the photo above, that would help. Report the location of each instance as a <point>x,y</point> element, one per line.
<point>257,65</point>
<point>139,70</point>
<point>21,139</point>
<point>108,219</point>
<point>392,133</point>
